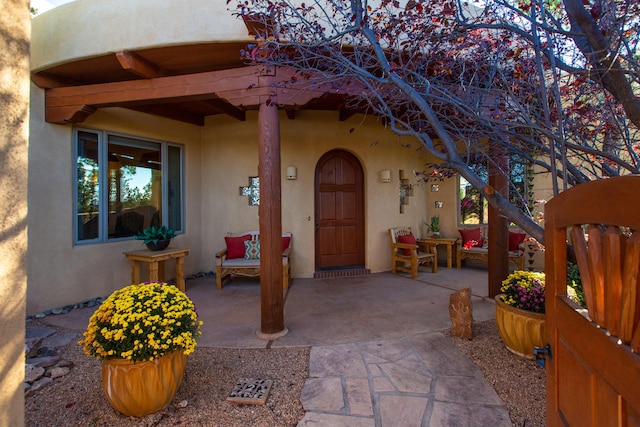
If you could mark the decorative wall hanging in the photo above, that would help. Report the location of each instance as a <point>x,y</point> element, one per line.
<point>406,190</point>
<point>252,191</point>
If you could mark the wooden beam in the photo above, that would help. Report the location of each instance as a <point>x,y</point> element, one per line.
<point>73,114</point>
<point>139,66</point>
<point>291,113</point>
<point>47,81</point>
<point>498,230</point>
<point>259,24</point>
<point>270,220</point>
<point>242,87</point>
<point>226,108</point>
<point>164,110</point>
<point>345,113</point>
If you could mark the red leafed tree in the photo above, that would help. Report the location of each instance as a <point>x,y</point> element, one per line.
<point>551,83</point>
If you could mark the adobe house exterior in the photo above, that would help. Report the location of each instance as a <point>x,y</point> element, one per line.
<point>105,47</point>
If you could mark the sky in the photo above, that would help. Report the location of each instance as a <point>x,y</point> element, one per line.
<point>43,5</point>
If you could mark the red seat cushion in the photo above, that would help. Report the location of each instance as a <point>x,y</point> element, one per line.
<point>285,242</point>
<point>407,238</point>
<point>235,246</point>
<point>515,239</point>
<point>469,235</point>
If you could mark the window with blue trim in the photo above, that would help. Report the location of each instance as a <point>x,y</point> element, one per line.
<point>125,184</point>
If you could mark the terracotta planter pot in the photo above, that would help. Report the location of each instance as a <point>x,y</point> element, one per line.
<point>521,330</point>
<point>142,388</point>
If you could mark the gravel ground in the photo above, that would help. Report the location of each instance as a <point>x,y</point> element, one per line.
<point>519,382</point>
<point>77,398</point>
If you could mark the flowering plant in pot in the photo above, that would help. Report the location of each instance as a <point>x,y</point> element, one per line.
<point>524,290</point>
<point>142,334</point>
<point>520,312</point>
<point>156,238</point>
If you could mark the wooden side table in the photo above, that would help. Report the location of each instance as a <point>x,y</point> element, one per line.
<point>435,241</point>
<point>156,261</point>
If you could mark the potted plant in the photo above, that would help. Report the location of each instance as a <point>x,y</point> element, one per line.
<point>142,334</point>
<point>156,238</point>
<point>435,225</point>
<point>520,312</point>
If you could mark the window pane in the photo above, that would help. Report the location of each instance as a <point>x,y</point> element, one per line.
<point>87,181</point>
<point>518,194</point>
<point>134,186</point>
<point>174,180</point>
<point>473,206</point>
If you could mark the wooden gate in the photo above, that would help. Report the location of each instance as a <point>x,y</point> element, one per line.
<point>593,371</point>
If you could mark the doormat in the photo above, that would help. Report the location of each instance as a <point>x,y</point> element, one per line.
<point>350,272</point>
<point>250,391</point>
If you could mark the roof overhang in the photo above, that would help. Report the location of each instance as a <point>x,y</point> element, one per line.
<point>185,83</point>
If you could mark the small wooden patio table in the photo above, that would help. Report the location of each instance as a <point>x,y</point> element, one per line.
<point>449,243</point>
<point>156,261</point>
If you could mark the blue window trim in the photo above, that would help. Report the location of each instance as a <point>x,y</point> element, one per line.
<point>103,204</point>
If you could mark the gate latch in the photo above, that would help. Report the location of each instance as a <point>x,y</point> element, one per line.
<point>542,353</point>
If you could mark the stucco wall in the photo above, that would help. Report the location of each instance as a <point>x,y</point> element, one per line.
<point>87,28</point>
<point>230,157</point>
<point>60,273</point>
<point>14,119</point>
<point>220,158</point>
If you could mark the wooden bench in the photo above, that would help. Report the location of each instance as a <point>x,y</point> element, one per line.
<point>242,266</point>
<point>481,253</point>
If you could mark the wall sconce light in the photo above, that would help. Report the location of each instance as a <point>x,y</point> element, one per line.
<point>292,172</point>
<point>385,175</point>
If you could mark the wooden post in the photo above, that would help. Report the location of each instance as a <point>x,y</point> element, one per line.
<point>498,232</point>
<point>270,212</point>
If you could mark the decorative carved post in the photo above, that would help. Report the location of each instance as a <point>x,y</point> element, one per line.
<point>270,212</point>
<point>498,232</point>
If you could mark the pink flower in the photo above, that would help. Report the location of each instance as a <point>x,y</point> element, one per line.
<point>469,244</point>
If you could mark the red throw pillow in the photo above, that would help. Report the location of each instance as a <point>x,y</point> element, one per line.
<point>285,242</point>
<point>407,238</point>
<point>515,239</point>
<point>471,234</point>
<point>235,246</point>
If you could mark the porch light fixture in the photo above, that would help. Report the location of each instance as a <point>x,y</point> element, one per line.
<point>385,175</point>
<point>292,172</point>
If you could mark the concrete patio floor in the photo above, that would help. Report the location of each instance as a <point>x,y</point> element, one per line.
<point>378,357</point>
<point>338,310</point>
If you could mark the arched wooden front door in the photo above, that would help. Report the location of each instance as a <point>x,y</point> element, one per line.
<point>339,211</point>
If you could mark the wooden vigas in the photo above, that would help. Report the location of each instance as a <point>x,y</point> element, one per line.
<point>593,374</point>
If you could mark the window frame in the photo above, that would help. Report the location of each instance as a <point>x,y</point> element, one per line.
<point>525,178</point>
<point>103,186</point>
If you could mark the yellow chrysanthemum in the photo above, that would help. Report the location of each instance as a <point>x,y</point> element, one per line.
<point>142,322</point>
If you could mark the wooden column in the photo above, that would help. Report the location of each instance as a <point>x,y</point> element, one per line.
<point>270,212</point>
<point>498,232</point>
